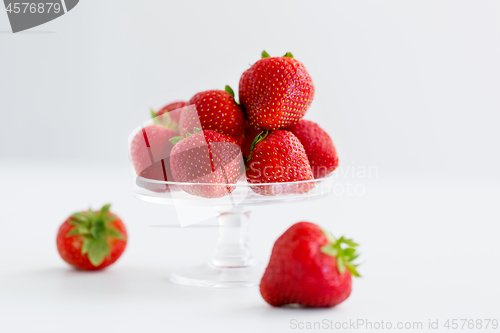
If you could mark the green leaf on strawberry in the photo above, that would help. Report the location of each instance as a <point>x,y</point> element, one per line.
<point>154,115</point>
<point>176,139</point>
<point>95,229</point>
<point>266,55</point>
<point>78,219</point>
<point>165,119</point>
<point>104,211</point>
<point>77,231</point>
<point>114,233</point>
<point>229,90</point>
<point>98,249</point>
<point>86,245</point>
<point>344,252</point>
<point>261,136</point>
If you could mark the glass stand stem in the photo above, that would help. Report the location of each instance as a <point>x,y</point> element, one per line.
<point>232,248</point>
<point>232,264</point>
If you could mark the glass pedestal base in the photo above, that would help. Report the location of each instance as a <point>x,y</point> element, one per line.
<point>208,275</point>
<point>232,264</point>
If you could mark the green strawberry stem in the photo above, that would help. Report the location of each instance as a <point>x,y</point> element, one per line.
<point>266,55</point>
<point>229,90</point>
<point>176,139</point>
<point>154,116</point>
<point>343,255</point>
<point>261,136</point>
<point>95,228</point>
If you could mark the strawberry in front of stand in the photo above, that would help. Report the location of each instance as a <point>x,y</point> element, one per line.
<point>214,110</point>
<point>275,92</point>
<point>309,267</point>
<point>92,240</point>
<point>318,146</point>
<point>209,158</point>
<point>150,154</point>
<point>278,157</point>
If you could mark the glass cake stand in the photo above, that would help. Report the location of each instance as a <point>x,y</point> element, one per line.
<point>232,263</point>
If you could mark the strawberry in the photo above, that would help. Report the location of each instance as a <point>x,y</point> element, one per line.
<point>275,92</point>
<point>92,240</point>
<point>169,115</point>
<point>150,153</point>
<point>214,110</point>
<point>318,146</point>
<point>309,267</point>
<point>206,157</point>
<point>277,157</point>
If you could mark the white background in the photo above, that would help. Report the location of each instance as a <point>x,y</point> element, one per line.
<point>410,88</point>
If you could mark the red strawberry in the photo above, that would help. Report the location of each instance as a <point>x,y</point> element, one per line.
<point>278,157</point>
<point>215,110</point>
<point>150,153</point>
<point>207,157</point>
<point>309,267</point>
<point>172,113</point>
<point>318,145</point>
<point>275,92</point>
<point>92,240</point>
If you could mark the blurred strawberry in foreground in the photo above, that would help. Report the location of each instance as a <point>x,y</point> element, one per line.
<point>309,267</point>
<point>214,110</point>
<point>206,157</point>
<point>278,157</point>
<point>275,92</point>
<point>318,146</point>
<point>169,115</point>
<point>92,240</point>
<point>150,153</point>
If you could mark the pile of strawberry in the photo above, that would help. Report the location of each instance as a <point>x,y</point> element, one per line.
<point>213,140</point>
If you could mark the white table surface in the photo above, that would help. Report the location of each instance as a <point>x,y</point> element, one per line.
<point>431,251</point>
